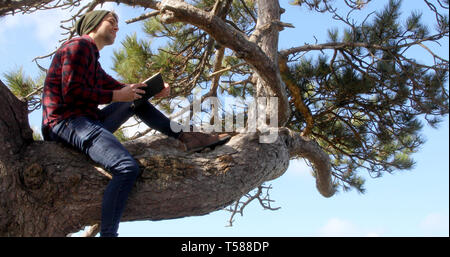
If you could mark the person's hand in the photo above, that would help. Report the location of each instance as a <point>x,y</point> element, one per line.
<point>128,93</point>
<point>165,92</point>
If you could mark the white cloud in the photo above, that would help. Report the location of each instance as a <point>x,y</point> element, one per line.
<point>435,224</point>
<point>336,227</point>
<point>44,26</point>
<point>373,234</point>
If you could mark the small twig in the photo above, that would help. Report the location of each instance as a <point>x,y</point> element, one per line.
<point>143,17</point>
<point>140,134</point>
<point>263,200</point>
<point>226,69</point>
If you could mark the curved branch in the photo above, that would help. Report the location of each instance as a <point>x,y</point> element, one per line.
<point>300,146</point>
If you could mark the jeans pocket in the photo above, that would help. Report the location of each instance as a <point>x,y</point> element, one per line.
<point>78,132</point>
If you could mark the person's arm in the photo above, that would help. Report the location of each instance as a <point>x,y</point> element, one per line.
<point>121,92</point>
<point>106,81</point>
<point>76,60</point>
<point>128,93</point>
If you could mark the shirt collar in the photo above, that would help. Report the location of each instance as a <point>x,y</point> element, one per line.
<point>87,37</point>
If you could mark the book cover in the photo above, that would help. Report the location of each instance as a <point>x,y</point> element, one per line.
<point>155,84</point>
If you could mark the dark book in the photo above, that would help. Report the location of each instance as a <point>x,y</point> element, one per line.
<point>155,84</point>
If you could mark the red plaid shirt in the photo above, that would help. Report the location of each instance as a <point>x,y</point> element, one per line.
<point>75,84</point>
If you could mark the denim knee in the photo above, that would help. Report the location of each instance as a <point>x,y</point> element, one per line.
<point>128,167</point>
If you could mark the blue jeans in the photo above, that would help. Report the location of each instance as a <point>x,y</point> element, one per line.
<point>95,139</point>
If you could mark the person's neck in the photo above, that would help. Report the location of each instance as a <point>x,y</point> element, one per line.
<point>99,43</point>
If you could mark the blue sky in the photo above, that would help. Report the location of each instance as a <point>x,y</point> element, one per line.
<point>406,203</point>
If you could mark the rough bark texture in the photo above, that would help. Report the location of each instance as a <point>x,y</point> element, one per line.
<point>48,189</point>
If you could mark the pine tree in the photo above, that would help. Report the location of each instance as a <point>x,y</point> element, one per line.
<point>354,103</point>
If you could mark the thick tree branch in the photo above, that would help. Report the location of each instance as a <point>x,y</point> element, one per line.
<point>15,132</point>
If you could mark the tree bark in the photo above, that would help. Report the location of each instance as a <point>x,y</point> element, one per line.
<point>266,37</point>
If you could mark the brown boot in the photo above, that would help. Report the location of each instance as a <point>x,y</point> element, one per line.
<point>196,141</point>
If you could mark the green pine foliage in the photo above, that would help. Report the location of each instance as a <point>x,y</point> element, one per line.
<point>25,87</point>
<point>132,61</point>
<point>368,116</point>
<point>19,84</point>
